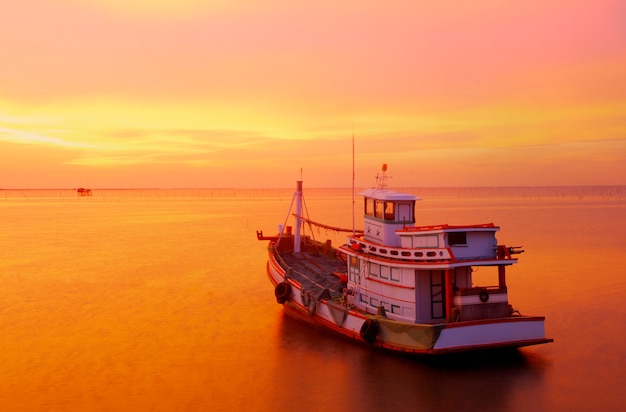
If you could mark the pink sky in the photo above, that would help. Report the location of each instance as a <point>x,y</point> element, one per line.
<point>108,93</point>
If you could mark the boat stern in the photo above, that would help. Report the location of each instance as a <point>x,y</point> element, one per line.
<point>511,332</point>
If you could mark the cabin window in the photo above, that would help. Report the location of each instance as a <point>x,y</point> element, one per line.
<point>374,269</point>
<point>384,272</point>
<point>389,211</point>
<point>378,208</point>
<point>374,302</point>
<point>395,274</point>
<point>457,238</point>
<point>396,309</point>
<point>369,206</point>
<point>364,298</point>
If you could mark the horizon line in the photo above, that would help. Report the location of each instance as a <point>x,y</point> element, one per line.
<point>312,187</point>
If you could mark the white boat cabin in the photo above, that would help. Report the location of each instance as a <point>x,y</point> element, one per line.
<point>424,274</point>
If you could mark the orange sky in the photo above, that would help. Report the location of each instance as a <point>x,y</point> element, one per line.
<point>234,93</point>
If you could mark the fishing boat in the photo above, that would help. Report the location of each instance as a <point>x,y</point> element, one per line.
<point>399,286</point>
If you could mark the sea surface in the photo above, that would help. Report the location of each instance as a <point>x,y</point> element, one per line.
<point>158,300</point>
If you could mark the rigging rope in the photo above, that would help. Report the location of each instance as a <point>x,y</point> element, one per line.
<point>280,236</point>
<point>324,226</point>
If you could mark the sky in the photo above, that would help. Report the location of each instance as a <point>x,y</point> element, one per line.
<point>234,93</point>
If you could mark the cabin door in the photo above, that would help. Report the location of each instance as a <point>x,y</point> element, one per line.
<point>404,213</point>
<point>437,294</point>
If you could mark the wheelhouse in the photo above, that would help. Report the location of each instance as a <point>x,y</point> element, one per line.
<point>386,211</point>
<point>424,274</point>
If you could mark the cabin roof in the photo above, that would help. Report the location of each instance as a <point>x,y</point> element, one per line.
<point>384,194</point>
<point>482,227</point>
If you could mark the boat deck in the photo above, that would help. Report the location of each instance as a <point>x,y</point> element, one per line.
<point>315,272</point>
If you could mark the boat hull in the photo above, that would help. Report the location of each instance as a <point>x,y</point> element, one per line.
<point>420,339</point>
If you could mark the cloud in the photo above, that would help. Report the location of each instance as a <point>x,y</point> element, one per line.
<point>176,146</point>
<point>26,137</point>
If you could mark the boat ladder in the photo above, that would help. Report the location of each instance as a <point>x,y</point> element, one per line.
<point>357,282</point>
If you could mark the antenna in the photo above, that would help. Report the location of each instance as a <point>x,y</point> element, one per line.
<point>353,222</point>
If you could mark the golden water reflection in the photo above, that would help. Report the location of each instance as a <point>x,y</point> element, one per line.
<point>157,303</point>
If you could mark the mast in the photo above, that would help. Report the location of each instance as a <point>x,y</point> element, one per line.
<point>298,196</point>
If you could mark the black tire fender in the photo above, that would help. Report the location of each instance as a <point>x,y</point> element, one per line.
<point>282,292</point>
<point>369,331</point>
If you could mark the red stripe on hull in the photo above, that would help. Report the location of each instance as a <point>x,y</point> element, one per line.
<point>496,320</point>
<point>512,344</point>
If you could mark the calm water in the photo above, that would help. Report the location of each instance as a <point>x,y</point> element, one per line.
<point>158,300</point>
